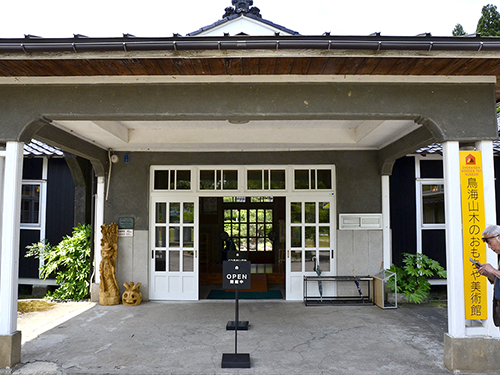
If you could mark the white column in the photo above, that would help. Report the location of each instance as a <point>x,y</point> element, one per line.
<point>486,148</point>
<point>386,222</point>
<point>454,243</point>
<point>11,217</point>
<point>99,220</point>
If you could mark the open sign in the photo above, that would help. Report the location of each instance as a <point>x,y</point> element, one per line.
<point>236,275</point>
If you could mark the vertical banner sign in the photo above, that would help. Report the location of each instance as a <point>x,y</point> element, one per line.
<point>472,192</point>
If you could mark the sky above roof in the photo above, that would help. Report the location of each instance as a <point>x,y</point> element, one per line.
<point>155,18</point>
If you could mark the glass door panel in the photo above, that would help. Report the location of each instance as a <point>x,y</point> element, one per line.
<point>310,227</point>
<point>174,265</point>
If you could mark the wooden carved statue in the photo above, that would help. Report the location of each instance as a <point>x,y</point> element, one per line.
<point>109,293</point>
<point>132,296</point>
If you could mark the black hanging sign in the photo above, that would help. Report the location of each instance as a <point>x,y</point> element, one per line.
<point>236,275</point>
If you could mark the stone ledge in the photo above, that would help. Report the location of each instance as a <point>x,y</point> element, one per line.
<point>471,354</point>
<point>10,349</point>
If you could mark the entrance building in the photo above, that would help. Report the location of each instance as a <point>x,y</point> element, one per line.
<point>283,217</point>
<point>183,132</point>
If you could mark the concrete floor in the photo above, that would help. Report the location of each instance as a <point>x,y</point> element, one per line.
<point>283,338</point>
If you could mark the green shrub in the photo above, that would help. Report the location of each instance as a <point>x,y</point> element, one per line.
<point>412,278</point>
<point>69,261</point>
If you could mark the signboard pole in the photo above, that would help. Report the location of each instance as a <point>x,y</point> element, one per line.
<point>236,274</point>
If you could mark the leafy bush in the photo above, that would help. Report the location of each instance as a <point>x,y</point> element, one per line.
<point>412,278</point>
<point>69,261</point>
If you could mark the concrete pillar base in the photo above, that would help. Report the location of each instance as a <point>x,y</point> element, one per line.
<point>94,292</point>
<point>472,354</point>
<point>10,350</point>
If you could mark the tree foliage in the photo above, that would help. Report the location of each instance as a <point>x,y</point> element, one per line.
<point>489,23</point>
<point>458,30</point>
<point>69,261</point>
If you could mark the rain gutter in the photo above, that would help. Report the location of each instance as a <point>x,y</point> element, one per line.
<point>80,44</point>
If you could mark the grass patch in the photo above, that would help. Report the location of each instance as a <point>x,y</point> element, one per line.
<point>32,306</point>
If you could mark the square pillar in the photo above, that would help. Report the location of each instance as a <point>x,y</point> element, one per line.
<point>10,342</point>
<point>469,346</point>
<point>386,222</point>
<point>99,220</point>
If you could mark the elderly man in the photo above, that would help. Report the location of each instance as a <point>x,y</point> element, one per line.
<point>491,235</point>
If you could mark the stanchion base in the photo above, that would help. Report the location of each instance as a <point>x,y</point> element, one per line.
<point>242,325</point>
<point>240,360</point>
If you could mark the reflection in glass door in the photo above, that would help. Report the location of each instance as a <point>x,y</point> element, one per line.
<point>310,241</point>
<point>174,257</point>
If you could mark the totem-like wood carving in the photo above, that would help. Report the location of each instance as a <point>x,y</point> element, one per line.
<point>109,293</point>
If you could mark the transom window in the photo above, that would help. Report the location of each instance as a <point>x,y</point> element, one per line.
<point>219,179</point>
<point>242,179</point>
<point>313,179</point>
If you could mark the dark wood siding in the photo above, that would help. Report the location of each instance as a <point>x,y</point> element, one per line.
<point>60,201</point>
<point>403,209</point>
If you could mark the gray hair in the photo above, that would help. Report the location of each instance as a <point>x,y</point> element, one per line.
<point>493,230</point>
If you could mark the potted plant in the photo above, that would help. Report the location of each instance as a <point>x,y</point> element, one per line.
<point>412,278</point>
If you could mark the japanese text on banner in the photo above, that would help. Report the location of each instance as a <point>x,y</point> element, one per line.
<point>473,217</point>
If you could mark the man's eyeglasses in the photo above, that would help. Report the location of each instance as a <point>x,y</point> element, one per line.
<point>485,239</point>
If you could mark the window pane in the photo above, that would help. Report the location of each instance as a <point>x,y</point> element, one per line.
<point>252,244</point>
<point>260,244</point>
<point>253,230</point>
<point>161,212</point>
<point>243,230</point>
<point>266,180</point>
<point>324,178</point>
<point>260,216</point>
<point>278,179</point>
<point>269,216</point>
<point>183,180</point>
<point>324,261</point>
<point>310,212</point>
<point>296,212</point>
<point>324,236</point>
<point>188,237</point>
<point>174,234</point>
<point>301,179</point>
<point>243,244</point>
<point>296,261</point>
<point>253,216</point>
<point>310,261</point>
<point>30,204</point>
<point>231,180</point>
<point>296,240</point>
<point>324,212</point>
<point>188,216</point>
<point>310,236</point>
<point>254,180</point>
<point>433,204</point>
<point>161,180</point>
<point>161,233</point>
<point>175,213</point>
<point>269,245</point>
<point>160,261</point>
<point>207,180</point>
<point>174,261</point>
<point>188,261</point>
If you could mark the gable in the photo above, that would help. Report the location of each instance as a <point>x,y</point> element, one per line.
<point>243,24</point>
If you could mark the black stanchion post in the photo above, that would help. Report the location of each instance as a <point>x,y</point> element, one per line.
<point>236,275</point>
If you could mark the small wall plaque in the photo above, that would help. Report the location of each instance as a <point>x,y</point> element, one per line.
<point>126,223</point>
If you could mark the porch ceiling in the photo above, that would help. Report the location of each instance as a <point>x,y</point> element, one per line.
<point>269,135</point>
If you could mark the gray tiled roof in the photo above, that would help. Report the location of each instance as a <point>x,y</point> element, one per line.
<point>37,148</point>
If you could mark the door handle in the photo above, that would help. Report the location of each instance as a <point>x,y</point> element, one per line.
<point>333,254</point>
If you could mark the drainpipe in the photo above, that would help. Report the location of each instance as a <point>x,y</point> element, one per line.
<point>99,220</point>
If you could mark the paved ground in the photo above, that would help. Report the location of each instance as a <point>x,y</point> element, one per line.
<point>284,338</point>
